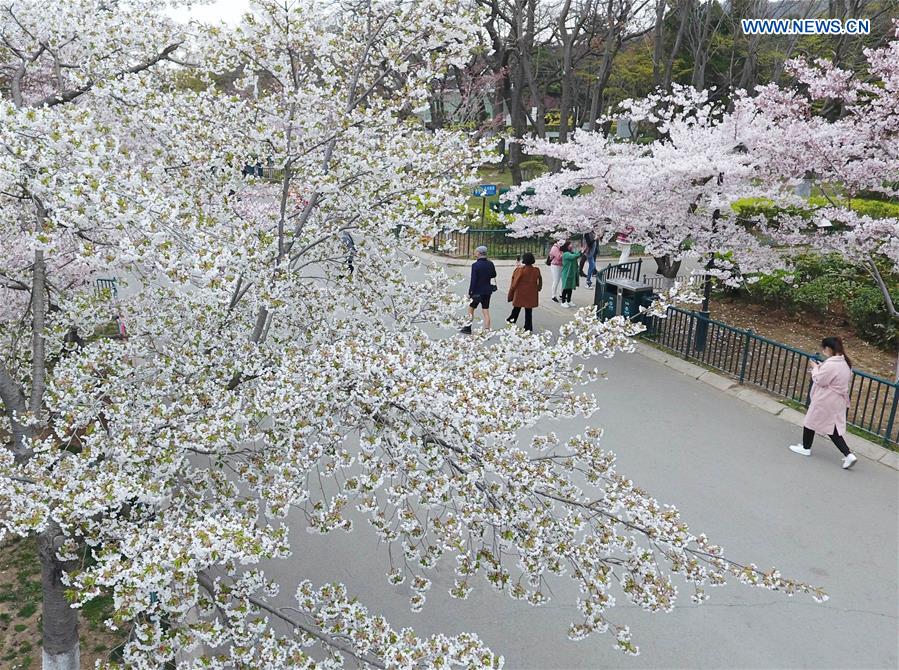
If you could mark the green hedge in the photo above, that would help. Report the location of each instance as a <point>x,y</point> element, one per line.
<point>827,284</point>
<point>752,207</point>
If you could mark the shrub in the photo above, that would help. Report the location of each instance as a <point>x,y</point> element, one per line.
<point>772,289</point>
<point>867,311</point>
<point>533,168</point>
<point>492,219</point>
<point>753,207</point>
<point>827,284</point>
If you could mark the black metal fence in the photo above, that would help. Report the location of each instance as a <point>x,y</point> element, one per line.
<point>775,367</point>
<point>658,282</point>
<point>500,245</point>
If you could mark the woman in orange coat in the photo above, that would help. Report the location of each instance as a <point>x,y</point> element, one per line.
<point>527,282</point>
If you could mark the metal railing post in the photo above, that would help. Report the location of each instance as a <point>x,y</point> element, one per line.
<point>747,335</point>
<point>689,340</point>
<point>892,420</point>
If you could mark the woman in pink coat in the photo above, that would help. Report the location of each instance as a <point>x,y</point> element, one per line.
<point>829,400</point>
<point>554,261</point>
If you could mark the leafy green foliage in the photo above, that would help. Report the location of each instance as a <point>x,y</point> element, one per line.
<point>754,207</point>
<point>829,285</point>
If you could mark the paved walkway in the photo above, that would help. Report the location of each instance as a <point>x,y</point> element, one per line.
<point>725,465</point>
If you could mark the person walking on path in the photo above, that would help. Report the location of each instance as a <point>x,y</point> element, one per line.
<point>480,288</point>
<point>829,401</point>
<point>589,246</point>
<point>515,273</point>
<point>554,261</point>
<point>527,282</point>
<point>569,273</point>
<point>350,244</point>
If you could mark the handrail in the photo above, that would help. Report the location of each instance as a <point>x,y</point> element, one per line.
<point>776,367</point>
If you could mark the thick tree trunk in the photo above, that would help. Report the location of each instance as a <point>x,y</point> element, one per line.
<point>658,42</point>
<point>566,99</point>
<point>16,407</point>
<point>567,44</point>
<point>38,346</point>
<point>678,38</point>
<point>514,87</point>
<point>59,619</point>
<point>667,267</point>
<point>525,30</point>
<point>871,267</point>
<point>602,80</point>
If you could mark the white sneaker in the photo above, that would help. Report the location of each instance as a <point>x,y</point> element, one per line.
<point>849,461</point>
<point>799,449</point>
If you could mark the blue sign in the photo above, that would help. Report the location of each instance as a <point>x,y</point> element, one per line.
<point>485,190</point>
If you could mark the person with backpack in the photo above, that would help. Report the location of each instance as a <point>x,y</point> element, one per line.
<point>554,261</point>
<point>480,288</point>
<point>829,400</point>
<point>524,292</point>
<point>569,273</point>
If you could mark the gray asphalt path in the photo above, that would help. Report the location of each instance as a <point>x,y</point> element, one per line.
<point>725,465</point>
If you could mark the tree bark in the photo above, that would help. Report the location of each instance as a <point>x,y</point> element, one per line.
<point>602,81</point>
<point>701,44</point>
<point>668,268</point>
<point>567,42</point>
<point>525,30</point>
<point>678,38</point>
<point>874,271</point>
<point>15,404</point>
<point>38,345</point>
<point>59,619</point>
<point>516,111</point>
<point>658,44</point>
<point>60,648</point>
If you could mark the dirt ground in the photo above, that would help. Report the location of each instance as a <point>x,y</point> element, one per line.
<point>20,613</point>
<point>804,331</point>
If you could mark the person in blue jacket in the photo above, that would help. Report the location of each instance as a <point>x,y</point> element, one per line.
<point>480,288</point>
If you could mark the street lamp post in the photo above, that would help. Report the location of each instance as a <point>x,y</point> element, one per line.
<point>702,327</point>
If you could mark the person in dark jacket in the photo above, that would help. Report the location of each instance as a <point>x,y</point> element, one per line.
<point>481,287</point>
<point>527,282</point>
<point>350,245</point>
<point>589,248</point>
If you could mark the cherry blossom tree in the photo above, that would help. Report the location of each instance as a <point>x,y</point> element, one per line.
<point>677,193</point>
<point>855,155</point>
<point>260,374</point>
<point>672,196</point>
<point>56,207</point>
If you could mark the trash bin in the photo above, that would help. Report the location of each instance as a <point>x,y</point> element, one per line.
<point>621,297</point>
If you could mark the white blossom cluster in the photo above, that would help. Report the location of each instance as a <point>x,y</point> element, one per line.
<point>676,194</point>
<point>260,376</point>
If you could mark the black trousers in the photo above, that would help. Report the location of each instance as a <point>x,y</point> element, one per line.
<point>528,317</point>
<point>808,436</point>
<point>566,294</point>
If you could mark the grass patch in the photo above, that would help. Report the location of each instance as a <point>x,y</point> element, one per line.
<point>20,613</point>
<point>27,610</point>
<point>98,610</point>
